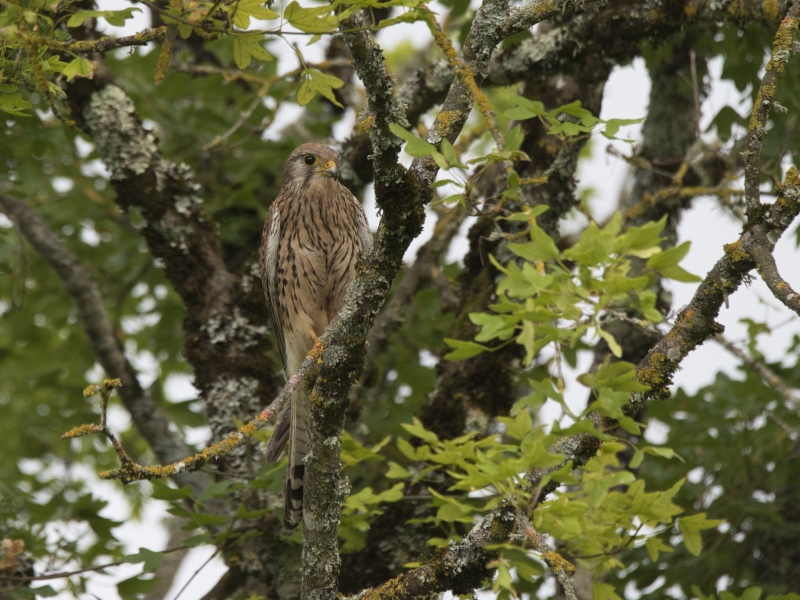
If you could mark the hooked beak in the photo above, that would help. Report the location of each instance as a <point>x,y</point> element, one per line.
<point>330,169</point>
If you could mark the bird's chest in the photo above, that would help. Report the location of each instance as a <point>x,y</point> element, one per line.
<point>320,240</point>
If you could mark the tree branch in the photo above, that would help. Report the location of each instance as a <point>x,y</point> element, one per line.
<point>760,248</point>
<point>781,51</point>
<point>463,566</point>
<point>104,44</point>
<point>130,471</point>
<point>762,370</point>
<point>696,322</point>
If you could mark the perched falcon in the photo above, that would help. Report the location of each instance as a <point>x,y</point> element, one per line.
<point>313,235</point>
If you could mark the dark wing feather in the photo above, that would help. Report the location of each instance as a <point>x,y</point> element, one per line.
<point>270,243</point>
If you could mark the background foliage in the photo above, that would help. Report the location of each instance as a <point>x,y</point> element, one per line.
<point>446,425</point>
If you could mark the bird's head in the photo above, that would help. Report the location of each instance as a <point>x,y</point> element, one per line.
<point>311,164</point>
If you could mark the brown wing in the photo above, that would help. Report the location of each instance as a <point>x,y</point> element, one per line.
<point>270,254</point>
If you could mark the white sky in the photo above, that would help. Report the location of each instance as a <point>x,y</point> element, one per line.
<point>705,225</point>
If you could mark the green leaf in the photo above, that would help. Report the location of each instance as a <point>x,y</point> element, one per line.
<point>80,67</point>
<point>638,240</point>
<point>415,146</point>
<point>534,212</point>
<point>654,545</point>
<point>726,118</point>
<point>310,20</point>
<point>617,376</point>
<point>751,593</point>
<point>44,591</point>
<point>133,588</point>
<point>609,403</point>
<point>615,348</point>
<point>450,155</point>
<point>366,500</point>
<point>663,452</point>
<point>247,9</point>
<point>493,326</point>
<point>666,263</point>
<point>691,527</point>
<point>216,489</point>
<point>542,247</point>
<point>397,472</point>
<point>410,16</point>
<point>152,560</point>
<point>417,429</point>
<point>519,426</point>
<point>595,245</point>
<point>247,47</point>
<point>462,350</point>
<point>316,82</point>
<point>161,491</point>
<point>197,540</point>
<point>526,109</point>
<point>603,591</point>
<point>613,125</point>
<point>696,591</point>
<point>527,339</point>
<point>114,17</point>
<point>14,104</point>
<point>514,138</point>
<point>451,510</point>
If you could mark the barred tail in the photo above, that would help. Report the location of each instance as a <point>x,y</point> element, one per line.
<point>298,448</point>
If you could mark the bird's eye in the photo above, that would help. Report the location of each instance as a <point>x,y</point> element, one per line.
<point>310,160</point>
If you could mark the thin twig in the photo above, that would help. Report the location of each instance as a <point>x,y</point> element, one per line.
<point>65,574</point>
<point>558,565</point>
<point>130,471</point>
<point>769,376</point>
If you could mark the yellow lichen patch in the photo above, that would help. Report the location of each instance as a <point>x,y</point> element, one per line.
<point>792,177</point>
<point>110,384</point>
<point>782,286</point>
<point>80,431</point>
<point>651,374</point>
<point>754,117</point>
<point>735,7</point>
<point>90,391</point>
<point>317,350</point>
<point>541,180</point>
<point>557,562</point>
<point>366,124</point>
<point>445,120</point>
<point>770,8</point>
<point>689,9</point>
<point>735,252</point>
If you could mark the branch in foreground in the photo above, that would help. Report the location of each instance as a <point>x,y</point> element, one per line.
<point>696,322</point>
<point>462,567</point>
<point>130,471</point>
<point>781,51</point>
<point>104,44</point>
<point>150,421</point>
